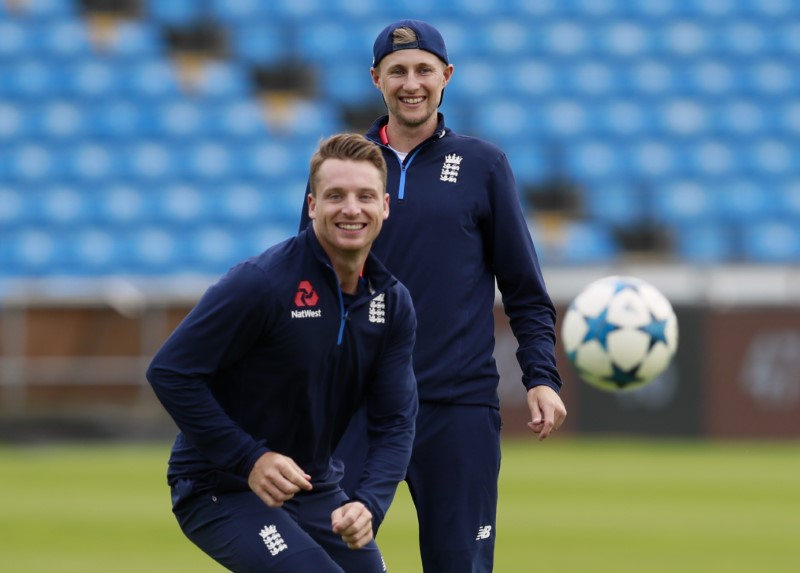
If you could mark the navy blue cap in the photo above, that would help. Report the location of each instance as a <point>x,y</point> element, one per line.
<point>428,39</point>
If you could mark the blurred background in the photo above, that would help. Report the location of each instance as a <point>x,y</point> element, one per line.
<point>148,145</point>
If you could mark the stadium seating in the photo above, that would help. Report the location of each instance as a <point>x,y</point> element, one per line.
<point>680,114</point>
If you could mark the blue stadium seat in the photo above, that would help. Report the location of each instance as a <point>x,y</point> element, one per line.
<point>16,40</point>
<point>347,83</point>
<point>625,39</point>
<point>91,161</point>
<point>742,199</point>
<point>624,118</point>
<point>63,39</point>
<point>325,40</point>
<point>530,162</point>
<point>34,251</point>
<point>566,117</point>
<point>615,202</point>
<point>773,157</point>
<point>788,197</point>
<point>14,206</point>
<point>156,250</point>
<point>62,205</point>
<point>263,236</point>
<point>651,77</point>
<point>133,39</point>
<point>123,119</point>
<point>682,201</point>
<point>683,38</point>
<point>121,205</point>
<point>772,79</point>
<point>33,162</point>
<point>260,42</point>
<point>94,251</point>
<point>16,122</point>
<point>238,120</point>
<point>211,160</point>
<point>174,12</point>
<point>149,160</point>
<point>772,241</point>
<point>529,77</point>
<point>298,10</point>
<point>30,79</point>
<point>45,9</point>
<point>215,248</point>
<point>238,12</point>
<point>222,80</point>
<point>61,119</point>
<point>713,158</point>
<point>506,119</point>
<point>683,117</point>
<point>151,78</point>
<point>566,38</point>
<point>92,78</point>
<point>595,160</point>
<point>181,118</point>
<point>180,203</point>
<point>576,243</point>
<point>739,117</point>
<point>704,243</point>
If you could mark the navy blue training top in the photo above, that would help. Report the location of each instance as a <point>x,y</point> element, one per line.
<point>455,227</point>
<point>271,359</point>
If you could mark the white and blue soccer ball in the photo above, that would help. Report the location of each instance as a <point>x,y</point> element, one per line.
<point>620,333</point>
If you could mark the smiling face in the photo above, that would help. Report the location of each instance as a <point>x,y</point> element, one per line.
<point>411,82</point>
<point>348,207</point>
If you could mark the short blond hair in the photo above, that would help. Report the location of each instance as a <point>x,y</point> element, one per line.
<point>349,147</point>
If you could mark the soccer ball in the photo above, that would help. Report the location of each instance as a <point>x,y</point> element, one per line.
<point>620,333</point>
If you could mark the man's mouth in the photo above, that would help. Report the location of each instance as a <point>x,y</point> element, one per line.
<point>412,100</point>
<point>351,226</point>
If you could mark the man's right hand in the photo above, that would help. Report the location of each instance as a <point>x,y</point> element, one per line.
<point>276,478</point>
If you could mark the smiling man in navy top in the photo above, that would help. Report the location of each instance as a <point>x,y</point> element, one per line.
<point>264,374</point>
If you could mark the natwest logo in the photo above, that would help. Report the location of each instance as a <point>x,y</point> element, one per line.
<point>306,295</point>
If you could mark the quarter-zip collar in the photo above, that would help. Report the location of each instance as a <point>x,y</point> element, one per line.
<point>377,134</point>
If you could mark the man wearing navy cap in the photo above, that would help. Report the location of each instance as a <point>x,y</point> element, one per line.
<point>457,227</point>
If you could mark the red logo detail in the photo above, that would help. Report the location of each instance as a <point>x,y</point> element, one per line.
<point>306,295</point>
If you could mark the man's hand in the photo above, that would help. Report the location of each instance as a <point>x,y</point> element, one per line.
<point>276,478</point>
<point>353,521</point>
<point>547,411</point>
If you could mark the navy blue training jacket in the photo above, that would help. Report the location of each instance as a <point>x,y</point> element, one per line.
<point>270,359</point>
<point>455,226</point>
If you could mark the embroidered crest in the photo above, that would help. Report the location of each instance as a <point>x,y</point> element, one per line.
<point>272,539</point>
<point>377,309</point>
<point>450,168</point>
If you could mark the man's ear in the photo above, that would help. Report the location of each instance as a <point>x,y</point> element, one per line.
<point>312,206</point>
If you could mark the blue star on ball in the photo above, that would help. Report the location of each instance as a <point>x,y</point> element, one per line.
<point>599,329</point>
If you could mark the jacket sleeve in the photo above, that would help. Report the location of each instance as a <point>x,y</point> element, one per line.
<point>519,278</point>
<point>218,331</point>
<point>392,406</point>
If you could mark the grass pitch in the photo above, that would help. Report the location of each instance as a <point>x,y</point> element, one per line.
<point>566,505</point>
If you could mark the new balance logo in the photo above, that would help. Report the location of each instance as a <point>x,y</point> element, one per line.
<point>273,540</point>
<point>484,532</point>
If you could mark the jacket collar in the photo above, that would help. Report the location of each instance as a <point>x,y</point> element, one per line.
<point>374,132</point>
<point>378,276</point>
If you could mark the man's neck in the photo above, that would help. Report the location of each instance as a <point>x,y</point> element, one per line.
<point>403,138</point>
<point>348,272</point>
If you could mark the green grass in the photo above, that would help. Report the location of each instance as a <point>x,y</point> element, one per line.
<point>568,505</point>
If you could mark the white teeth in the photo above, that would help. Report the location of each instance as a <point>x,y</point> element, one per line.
<point>413,99</point>
<point>350,227</point>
